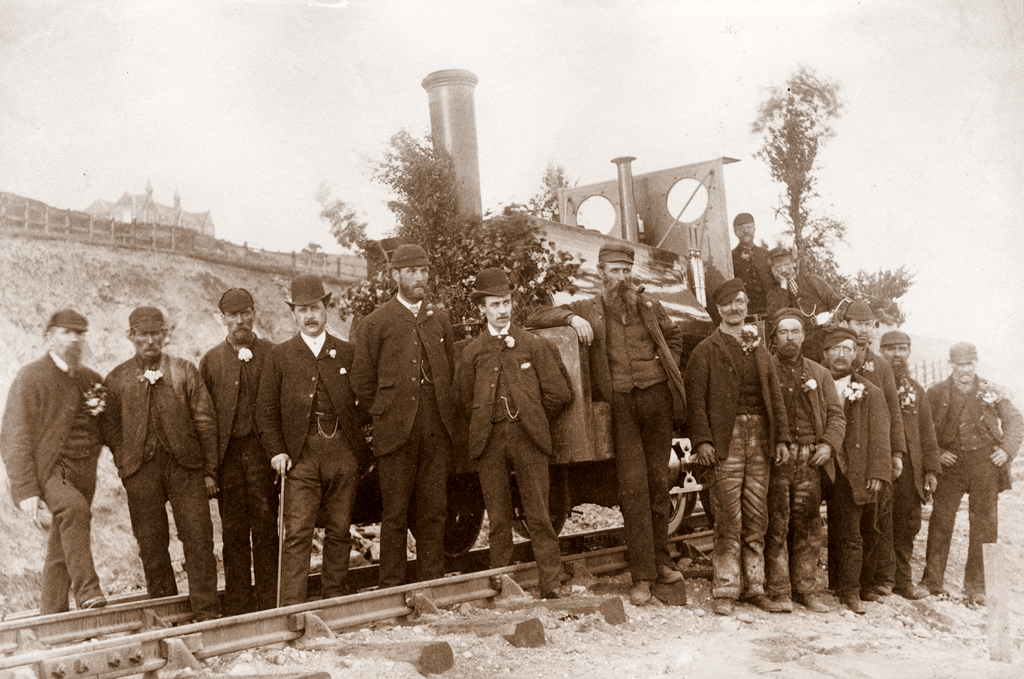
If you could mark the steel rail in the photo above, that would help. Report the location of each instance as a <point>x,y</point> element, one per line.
<point>148,651</point>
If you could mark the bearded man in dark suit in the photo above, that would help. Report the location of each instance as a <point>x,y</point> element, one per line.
<point>311,430</point>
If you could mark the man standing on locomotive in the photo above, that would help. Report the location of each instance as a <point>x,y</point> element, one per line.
<point>817,425</point>
<point>809,293</point>
<point>737,422</point>
<point>511,384</point>
<point>402,373</point>
<point>750,262</point>
<point>634,359</point>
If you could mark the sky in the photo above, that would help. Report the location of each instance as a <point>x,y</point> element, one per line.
<point>248,107</point>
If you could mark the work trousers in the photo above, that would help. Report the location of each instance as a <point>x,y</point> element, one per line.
<point>879,567</point>
<point>642,425</point>
<point>415,476</point>
<point>739,497</point>
<point>69,564</point>
<point>248,515</point>
<point>510,445</point>
<point>975,474</point>
<point>793,541</point>
<point>325,475</point>
<point>850,527</point>
<point>159,480</point>
<point>906,524</point>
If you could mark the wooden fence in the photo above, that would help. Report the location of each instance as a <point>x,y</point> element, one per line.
<point>930,372</point>
<point>32,218</point>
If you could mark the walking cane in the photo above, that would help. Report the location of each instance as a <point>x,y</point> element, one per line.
<point>280,539</point>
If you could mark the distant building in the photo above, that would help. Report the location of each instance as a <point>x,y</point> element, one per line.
<point>143,209</point>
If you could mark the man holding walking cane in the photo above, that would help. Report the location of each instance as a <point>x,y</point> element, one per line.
<point>311,428</point>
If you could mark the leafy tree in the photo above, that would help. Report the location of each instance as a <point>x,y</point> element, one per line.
<point>545,203</point>
<point>345,225</point>
<point>881,289</point>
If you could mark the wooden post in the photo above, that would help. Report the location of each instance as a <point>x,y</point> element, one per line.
<point>172,236</point>
<point>997,593</point>
<point>46,219</point>
<point>67,222</point>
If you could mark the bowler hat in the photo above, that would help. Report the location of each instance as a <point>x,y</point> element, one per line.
<point>307,289</point>
<point>962,352</point>
<point>69,319</point>
<point>894,337</point>
<point>836,336</point>
<point>492,282</point>
<point>859,311</point>
<point>235,300</point>
<point>783,314</point>
<point>146,319</point>
<point>743,218</point>
<point>615,252</point>
<point>728,290</point>
<point>409,255</point>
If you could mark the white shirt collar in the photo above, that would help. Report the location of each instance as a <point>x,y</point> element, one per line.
<point>499,333</point>
<point>414,308</point>
<point>841,384</point>
<point>59,361</point>
<point>315,344</point>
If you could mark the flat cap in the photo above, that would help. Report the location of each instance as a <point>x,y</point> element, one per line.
<point>69,319</point>
<point>859,311</point>
<point>492,282</point>
<point>235,300</point>
<point>894,337</point>
<point>783,314</point>
<point>728,290</point>
<point>836,336</point>
<point>409,255</point>
<point>779,251</point>
<point>307,289</point>
<point>962,352</point>
<point>742,218</point>
<point>615,252</point>
<point>146,319</point>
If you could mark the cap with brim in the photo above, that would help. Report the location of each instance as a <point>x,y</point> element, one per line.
<point>146,319</point>
<point>307,289</point>
<point>783,314</point>
<point>728,290</point>
<point>492,282</point>
<point>894,337</point>
<point>409,255</point>
<point>779,252</point>
<point>235,300</point>
<point>68,319</point>
<point>837,336</point>
<point>615,252</point>
<point>859,311</point>
<point>963,352</point>
<point>743,218</point>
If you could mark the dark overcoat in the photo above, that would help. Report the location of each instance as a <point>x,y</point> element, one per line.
<point>922,446</point>
<point>827,414</point>
<point>879,372</point>
<point>865,454</point>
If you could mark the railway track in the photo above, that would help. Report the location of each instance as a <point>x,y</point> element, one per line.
<point>142,636</point>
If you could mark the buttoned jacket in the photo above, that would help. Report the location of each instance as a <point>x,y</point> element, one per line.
<point>186,414</point>
<point>827,414</point>
<point>666,335</point>
<point>759,258</point>
<point>530,371</point>
<point>922,446</point>
<point>879,372</point>
<point>41,407</point>
<point>221,369</point>
<point>865,454</point>
<point>387,369</point>
<point>287,390</point>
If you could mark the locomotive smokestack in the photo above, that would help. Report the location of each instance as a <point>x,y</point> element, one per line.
<point>630,227</point>
<point>453,127</point>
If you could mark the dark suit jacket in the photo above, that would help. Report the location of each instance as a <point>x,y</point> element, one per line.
<point>865,454</point>
<point>922,447</point>
<point>221,369</point>
<point>529,371</point>
<point>667,336</point>
<point>759,260</point>
<point>815,296</point>
<point>287,386</point>
<point>882,376</point>
<point>713,386</point>
<point>386,371</point>
<point>41,407</point>
<point>827,414</point>
<point>186,412</point>
<point>1001,420</point>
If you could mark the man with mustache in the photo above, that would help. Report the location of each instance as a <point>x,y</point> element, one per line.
<point>737,424</point>
<point>979,433</point>
<point>921,466</point>
<point>51,442</point>
<point>634,359</point>
<point>792,289</point>
<point>311,430</point>
<point>247,500</point>
<point>402,373</point>
<point>750,264</point>
<point>161,427</point>
<point>817,425</point>
<point>862,466</point>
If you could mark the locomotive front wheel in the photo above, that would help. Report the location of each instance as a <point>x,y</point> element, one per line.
<point>465,514</point>
<point>681,506</point>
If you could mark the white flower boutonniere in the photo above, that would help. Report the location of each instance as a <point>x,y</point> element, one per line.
<point>749,338</point>
<point>245,354</point>
<point>907,395</point>
<point>151,376</point>
<point>990,394</point>
<point>869,366</point>
<point>510,341</point>
<point>810,385</point>
<point>95,399</point>
<point>333,353</point>
<point>430,312</point>
<point>343,371</point>
<point>854,392</point>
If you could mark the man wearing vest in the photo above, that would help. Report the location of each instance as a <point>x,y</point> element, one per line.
<point>737,424</point>
<point>247,500</point>
<point>402,373</point>
<point>162,429</point>
<point>979,433</point>
<point>51,442</point>
<point>311,430</point>
<point>511,384</point>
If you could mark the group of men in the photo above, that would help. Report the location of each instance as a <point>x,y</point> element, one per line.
<point>277,433</point>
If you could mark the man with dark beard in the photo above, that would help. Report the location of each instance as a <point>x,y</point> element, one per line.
<point>247,501</point>
<point>750,264</point>
<point>634,359</point>
<point>817,425</point>
<point>737,423</point>
<point>921,466</point>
